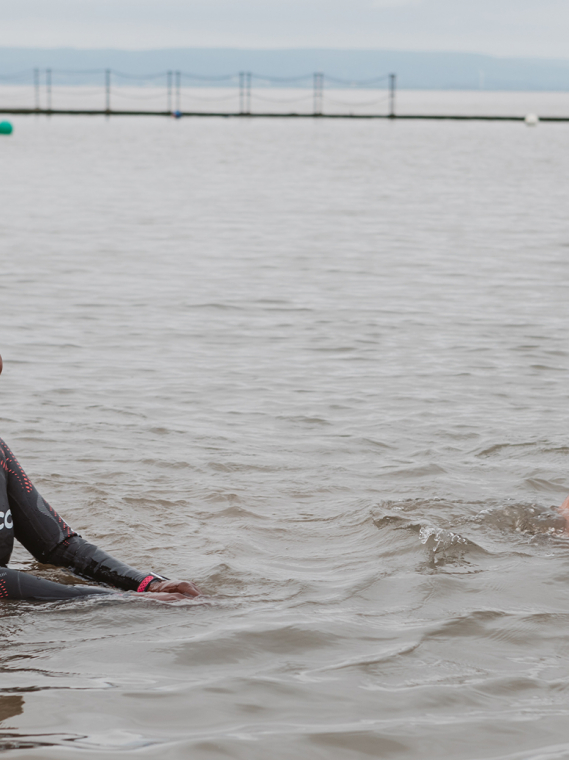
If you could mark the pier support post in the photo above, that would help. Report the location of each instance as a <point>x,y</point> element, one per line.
<point>248,78</point>
<point>318,93</point>
<point>392,91</point>
<point>37,88</point>
<point>169,88</point>
<point>245,92</point>
<point>108,92</point>
<point>48,90</point>
<point>178,91</point>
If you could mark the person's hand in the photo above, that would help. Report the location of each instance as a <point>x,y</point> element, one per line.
<point>179,589</point>
<point>564,510</point>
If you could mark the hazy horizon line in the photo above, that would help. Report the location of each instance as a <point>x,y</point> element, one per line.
<point>288,48</point>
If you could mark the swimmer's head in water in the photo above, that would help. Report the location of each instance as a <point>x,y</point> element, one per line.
<point>0,365</point>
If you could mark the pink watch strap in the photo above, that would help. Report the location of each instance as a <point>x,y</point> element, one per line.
<point>145,583</point>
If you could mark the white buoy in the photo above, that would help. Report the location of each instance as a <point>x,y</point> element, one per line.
<point>532,120</point>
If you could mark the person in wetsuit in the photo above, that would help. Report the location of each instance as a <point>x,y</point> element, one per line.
<point>25,515</point>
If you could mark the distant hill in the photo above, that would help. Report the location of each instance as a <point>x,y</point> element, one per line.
<point>415,70</point>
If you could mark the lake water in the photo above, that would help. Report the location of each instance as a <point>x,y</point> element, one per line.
<point>321,369</point>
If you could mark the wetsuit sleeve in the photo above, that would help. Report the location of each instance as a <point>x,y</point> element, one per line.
<point>49,539</point>
<point>17,585</point>
<point>93,563</point>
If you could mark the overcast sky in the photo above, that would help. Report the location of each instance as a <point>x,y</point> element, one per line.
<point>498,27</point>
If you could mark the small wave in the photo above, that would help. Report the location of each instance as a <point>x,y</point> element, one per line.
<point>445,547</point>
<point>232,512</point>
<point>461,518</point>
<point>506,448</point>
<point>375,443</point>
<point>418,472</point>
<point>441,539</point>
<point>390,653</point>
<point>222,497</point>
<point>523,518</point>
<point>213,305</point>
<point>241,467</point>
<point>559,485</point>
<point>304,419</point>
<point>362,743</point>
<point>460,536</point>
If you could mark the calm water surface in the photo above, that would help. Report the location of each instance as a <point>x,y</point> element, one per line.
<point>322,369</point>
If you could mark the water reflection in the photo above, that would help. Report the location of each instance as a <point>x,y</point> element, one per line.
<point>11,705</point>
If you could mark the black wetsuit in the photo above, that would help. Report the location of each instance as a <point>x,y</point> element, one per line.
<point>26,516</point>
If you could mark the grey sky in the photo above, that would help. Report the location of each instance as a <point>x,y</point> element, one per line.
<point>499,27</point>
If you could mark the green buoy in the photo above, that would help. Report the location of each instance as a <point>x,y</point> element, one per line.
<point>6,128</point>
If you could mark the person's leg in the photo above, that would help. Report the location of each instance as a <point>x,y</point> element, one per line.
<point>17,585</point>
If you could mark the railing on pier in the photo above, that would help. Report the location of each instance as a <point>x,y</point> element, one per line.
<point>111,85</point>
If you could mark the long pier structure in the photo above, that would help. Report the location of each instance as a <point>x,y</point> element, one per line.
<point>384,88</point>
<point>270,115</point>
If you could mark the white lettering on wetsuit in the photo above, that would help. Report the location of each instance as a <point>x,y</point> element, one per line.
<point>6,518</point>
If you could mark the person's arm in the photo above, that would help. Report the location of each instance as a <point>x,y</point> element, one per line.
<point>50,540</point>
<point>93,563</point>
<point>90,562</point>
<point>17,585</point>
